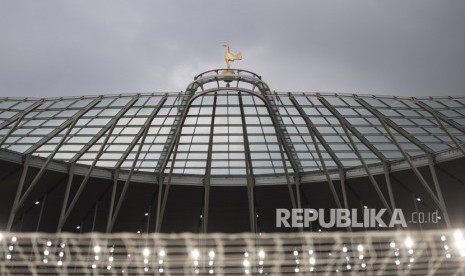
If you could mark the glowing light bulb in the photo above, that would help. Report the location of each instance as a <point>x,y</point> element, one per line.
<point>261,254</point>
<point>195,254</point>
<point>146,252</point>
<point>408,242</point>
<point>312,260</point>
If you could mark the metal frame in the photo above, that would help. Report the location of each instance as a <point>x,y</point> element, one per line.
<point>17,118</point>
<point>438,117</point>
<point>344,125</point>
<point>142,134</point>
<point>42,170</point>
<point>207,177</point>
<point>278,107</point>
<point>111,125</point>
<point>171,148</point>
<point>249,172</point>
<point>314,132</point>
<point>436,198</point>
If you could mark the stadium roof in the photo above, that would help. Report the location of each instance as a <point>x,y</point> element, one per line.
<point>276,133</point>
<point>233,149</point>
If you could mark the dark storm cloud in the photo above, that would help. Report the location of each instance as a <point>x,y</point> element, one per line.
<point>59,48</point>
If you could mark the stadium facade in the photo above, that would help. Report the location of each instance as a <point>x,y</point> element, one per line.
<point>223,156</point>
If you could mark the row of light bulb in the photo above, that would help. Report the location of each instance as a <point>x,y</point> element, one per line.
<point>195,254</point>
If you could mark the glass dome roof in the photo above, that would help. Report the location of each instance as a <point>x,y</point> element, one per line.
<point>233,125</point>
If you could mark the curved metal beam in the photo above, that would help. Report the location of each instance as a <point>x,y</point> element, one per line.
<point>177,135</point>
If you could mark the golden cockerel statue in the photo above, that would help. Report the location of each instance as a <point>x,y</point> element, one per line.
<point>228,56</point>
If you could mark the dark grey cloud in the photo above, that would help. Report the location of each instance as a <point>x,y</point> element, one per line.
<point>62,48</point>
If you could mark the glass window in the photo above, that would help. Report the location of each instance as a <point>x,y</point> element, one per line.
<point>81,103</point>
<point>7,104</point>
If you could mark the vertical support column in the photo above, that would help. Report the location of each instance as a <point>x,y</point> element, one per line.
<point>61,221</point>
<point>171,148</point>
<point>42,206</point>
<point>161,180</point>
<point>14,208</point>
<point>249,170</point>
<point>208,170</point>
<point>342,178</point>
<point>112,201</point>
<point>162,200</point>
<point>438,190</point>
<point>284,147</point>
<point>388,184</point>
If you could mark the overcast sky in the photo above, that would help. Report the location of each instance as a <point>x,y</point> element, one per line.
<point>67,48</point>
